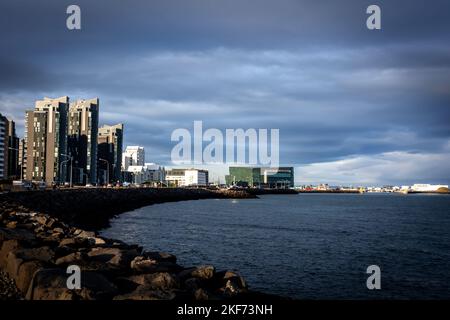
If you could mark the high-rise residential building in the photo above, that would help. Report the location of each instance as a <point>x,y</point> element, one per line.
<point>9,149</point>
<point>22,158</point>
<point>3,147</point>
<point>13,151</point>
<point>82,140</point>
<point>46,140</point>
<point>110,141</point>
<point>133,156</point>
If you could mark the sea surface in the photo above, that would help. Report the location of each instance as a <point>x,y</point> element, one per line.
<point>308,246</point>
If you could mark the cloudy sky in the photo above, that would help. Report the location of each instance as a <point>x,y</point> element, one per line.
<point>353,106</point>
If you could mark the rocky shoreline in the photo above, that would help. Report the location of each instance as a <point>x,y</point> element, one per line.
<point>37,246</point>
<point>92,209</point>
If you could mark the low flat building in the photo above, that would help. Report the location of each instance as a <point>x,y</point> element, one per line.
<point>187,177</point>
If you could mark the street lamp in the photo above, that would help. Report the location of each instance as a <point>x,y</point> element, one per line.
<point>107,170</point>
<point>71,160</point>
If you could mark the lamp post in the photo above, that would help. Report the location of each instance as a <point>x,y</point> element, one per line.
<point>71,163</point>
<point>60,171</point>
<point>107,170</point>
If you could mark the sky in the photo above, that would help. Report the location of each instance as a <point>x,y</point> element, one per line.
<point>353,106</point>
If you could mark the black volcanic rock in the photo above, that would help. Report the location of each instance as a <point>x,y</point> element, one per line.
<point>41,234</point>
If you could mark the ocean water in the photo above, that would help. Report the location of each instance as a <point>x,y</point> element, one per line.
<point>308,246</point>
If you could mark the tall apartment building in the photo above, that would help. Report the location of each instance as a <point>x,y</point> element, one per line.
<point>133,156</point>
<point>9,149</point>
<point>46,140</point>
<point>13,151</point>
<point>82,140</point>
<point>110,142</point>
<point>22,158</point>
<point>3,147</point>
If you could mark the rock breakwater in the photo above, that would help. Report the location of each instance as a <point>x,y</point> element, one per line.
<point>93,208</point>
<point>36,250</point>
<point>40,237</point>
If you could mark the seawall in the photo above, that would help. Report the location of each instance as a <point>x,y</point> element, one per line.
<point>93,208</point>
<point>39,240</point>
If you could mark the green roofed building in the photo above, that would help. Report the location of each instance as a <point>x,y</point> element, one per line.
<point>244,176</point>
<point>282,177</point>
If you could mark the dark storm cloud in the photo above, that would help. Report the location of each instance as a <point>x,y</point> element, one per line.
<point>335,90</point>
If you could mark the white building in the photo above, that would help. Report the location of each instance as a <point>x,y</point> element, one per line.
<point>427,187</point>
<point>133,156</point>
<point>156,173</point>
<point>193,177</point>
<point>149,173</point>
<point>187,177</point>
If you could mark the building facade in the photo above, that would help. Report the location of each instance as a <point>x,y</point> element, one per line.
<point>175,177</point>
<point>22,158</point>
<point>82,140</point>
<point>133,156</point>
<point>13,151</point>
<point>244,176</point>
<point>282,177</point>
<point>194,177</point>
<point>46,140</point>
<point>187,177</point>
<point>3,147</point>
<point>110,144</point>
<point>149,173</point>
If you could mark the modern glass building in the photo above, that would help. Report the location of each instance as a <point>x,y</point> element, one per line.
<point>282,177</point>
<point>244,177</point>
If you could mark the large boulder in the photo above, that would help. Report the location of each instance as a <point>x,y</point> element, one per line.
<point>141,264</point>
<point>202,272</point>
<point>77,242</point>
<point>160,280</point>
<point>72,258</point>
<point>16,234</point>
<point>235,277</point>
<point>15,258</point>
<point>51,284</point>
<point>160,256</point>
<point>6,248</point>
<point>113,256</point>
<point>26,273</point>
<point>95,286</point>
